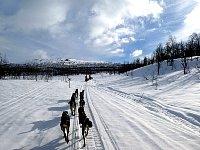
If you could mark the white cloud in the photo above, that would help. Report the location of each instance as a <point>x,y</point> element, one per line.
<point>143,8</point>
<point>132,38</point>
<point>117,51</point>
<point>103,41</point>
<point>124,31</point>
<point>36,15</point>
<point>124,40</point>
<point>108,15</point>
<point>191,22</point>
<point>40,54</point>
<point>136,53</point>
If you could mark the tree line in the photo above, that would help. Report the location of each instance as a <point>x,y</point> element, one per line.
<point>173,50</point>
<point>169,51</point>
<point>36,72</point>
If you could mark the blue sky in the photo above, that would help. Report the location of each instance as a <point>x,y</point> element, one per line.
<point>106,30</point>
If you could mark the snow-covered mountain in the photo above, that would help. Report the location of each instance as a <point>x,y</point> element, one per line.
<point>66,62</point>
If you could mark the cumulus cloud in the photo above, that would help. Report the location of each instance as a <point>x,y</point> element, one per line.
<point>191,23</point>
<point>114,15</point>
<point>183,15</point>
<point>191,19</point>
<point>136,53</point>
<point>37,15</point>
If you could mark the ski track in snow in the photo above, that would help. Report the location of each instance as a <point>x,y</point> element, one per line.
<point>27,100</point>
<point>102,122</point>
<point>155,106</point>
<point>15,103</point>
<point>93,140</point>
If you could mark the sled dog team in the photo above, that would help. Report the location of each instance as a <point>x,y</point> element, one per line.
<point>84,121</point>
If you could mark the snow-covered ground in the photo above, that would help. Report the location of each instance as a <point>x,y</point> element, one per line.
<point>138,111</point>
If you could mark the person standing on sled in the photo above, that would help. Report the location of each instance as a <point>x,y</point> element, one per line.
<point>65,124</point>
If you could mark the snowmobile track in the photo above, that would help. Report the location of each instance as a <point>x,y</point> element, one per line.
<point>97,138</point>
<point>90,106</point>
<point>155,106</point>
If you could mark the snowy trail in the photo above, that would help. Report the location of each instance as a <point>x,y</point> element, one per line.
<point>186,117</point>
<point>98,142</point>
<point>139,123</point>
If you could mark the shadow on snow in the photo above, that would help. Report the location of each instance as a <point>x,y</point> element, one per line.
<point>51,145</point>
